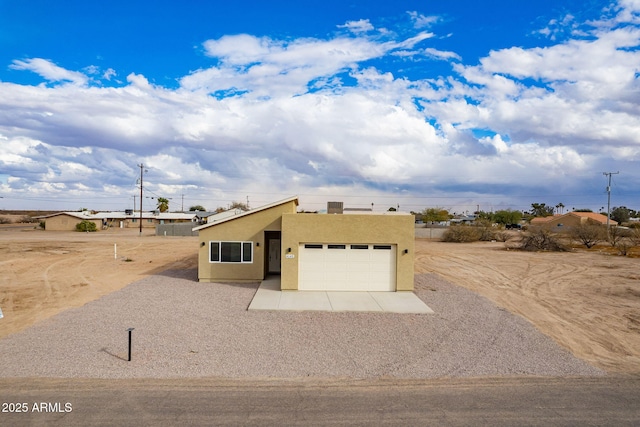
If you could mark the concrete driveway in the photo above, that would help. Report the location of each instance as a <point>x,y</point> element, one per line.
<point>270,297</point>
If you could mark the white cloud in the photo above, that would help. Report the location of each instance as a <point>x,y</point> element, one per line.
<point>266,67</point>
<point>50,71</point>
<point>519,118</point>
<point>423,21</point>
<point>442,55</point>
<point>358,27</point>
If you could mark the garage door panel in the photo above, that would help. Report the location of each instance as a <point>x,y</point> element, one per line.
<point>346,267</point>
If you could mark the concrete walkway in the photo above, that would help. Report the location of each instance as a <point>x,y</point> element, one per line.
<point>270,297</point>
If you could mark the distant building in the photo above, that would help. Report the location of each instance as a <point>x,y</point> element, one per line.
<point>571,219</point>
<point>67,221</point>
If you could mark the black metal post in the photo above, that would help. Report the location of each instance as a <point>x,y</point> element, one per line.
<point>130,329</point>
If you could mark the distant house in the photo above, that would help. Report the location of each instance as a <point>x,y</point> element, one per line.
<point>541,220</point>
<point>131,219</point>
<point>361,251</point>
<point>66,221</point>
<point>463,219</point>
<point>571,219</point>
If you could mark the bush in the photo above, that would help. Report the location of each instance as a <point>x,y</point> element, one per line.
<point>588,234</point>
<point>623,239</point>
<point>618,233</point>
<point>4,220</point>
<point>461,234</point>
<point>503,236</point>
<point>540,239</point>
<point>86,225</point>
<point>485,230</point>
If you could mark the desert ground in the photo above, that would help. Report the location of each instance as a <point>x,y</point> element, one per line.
<point>587,301</point>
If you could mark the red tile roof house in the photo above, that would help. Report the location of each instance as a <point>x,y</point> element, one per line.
<point>571,219</point>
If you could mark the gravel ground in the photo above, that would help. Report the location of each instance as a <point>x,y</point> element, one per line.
<point>188,329</point>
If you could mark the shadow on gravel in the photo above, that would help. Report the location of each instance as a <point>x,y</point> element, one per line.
<point>185,274</point>
<point>104,350</point>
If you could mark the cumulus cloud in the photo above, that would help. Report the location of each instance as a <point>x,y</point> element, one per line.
<point>318,116</point>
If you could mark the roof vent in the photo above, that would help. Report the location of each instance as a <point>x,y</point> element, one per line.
<point>335,207</point>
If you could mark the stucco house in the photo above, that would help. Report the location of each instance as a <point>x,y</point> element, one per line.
<point>66,221</point>
<point>571,219</point>
<point>358,251</point>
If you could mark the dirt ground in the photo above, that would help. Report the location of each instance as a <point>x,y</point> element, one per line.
<point>586,301</point>
<point>45,272</point>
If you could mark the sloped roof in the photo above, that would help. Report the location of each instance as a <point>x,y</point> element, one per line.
<point>123,215</point>
<point>593,216</point>
<point>249,212</point>
<point>543,219</point>
<point>602,219</point>
<point>145,215</point>
<point>79,215</point>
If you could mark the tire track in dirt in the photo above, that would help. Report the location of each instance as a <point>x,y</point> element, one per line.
<point>575,298</point>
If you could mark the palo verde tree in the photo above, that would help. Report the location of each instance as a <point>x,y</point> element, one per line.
<point>620,214</point>
<point>435,215</point>
<point>507,216</point>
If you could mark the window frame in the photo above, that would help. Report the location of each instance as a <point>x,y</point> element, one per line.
<point>243,259</point>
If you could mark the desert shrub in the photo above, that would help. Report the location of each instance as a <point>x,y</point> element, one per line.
<point>461,234</point>
<point>5,220</point>
<point>26,219</point>
<point>502,235</point>
<point>623,246</point>
<point>617,234</point>
<point>86,225</point>
<point>588,234</point>
<point>623,239</point>
<point>42,224</point>
<point>540,239</point>
<point>485,230</point>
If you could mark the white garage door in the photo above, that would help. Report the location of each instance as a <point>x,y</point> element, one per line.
<point>347,267</point>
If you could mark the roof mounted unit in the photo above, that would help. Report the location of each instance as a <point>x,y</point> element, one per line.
<point>335,207</point>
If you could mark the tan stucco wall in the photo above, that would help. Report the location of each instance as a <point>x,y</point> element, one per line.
<point>251,228</point>
<point>66,223</point>
<point>566,221</point>
<point>569,221</point>
<point>354,229</point>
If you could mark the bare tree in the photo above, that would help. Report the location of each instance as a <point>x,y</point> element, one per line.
<point>621,239</point>
<point>588,234</point>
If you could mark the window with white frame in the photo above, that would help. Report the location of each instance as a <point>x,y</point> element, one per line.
<point>232,252</point>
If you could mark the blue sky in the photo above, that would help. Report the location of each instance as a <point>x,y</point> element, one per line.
<point>455,104</point>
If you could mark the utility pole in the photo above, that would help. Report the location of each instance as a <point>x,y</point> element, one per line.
<point>182,208</point>
<point>609,196</point>
<point>141,166</point>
